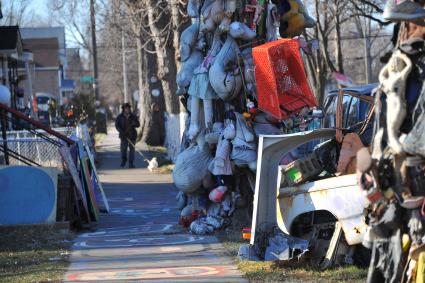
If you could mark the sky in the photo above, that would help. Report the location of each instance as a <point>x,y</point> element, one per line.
<point>39,10</point>
<point>36,4</point>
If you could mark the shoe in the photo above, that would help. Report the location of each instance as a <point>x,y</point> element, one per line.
<point>122,164</point>
<point>403,10</point>
<point>131,166</point>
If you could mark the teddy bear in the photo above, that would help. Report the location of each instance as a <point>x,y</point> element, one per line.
<point>294,17</point>
<point>224,73</point>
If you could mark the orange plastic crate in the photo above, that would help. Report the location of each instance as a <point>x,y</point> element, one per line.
<point>282,86</point>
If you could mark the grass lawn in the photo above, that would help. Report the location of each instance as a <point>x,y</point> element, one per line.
<point>98,138</point>
<point>231,238</point>
<point>34,254</point>
<point>166,168</point>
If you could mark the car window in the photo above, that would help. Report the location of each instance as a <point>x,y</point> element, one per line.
<point>330,112</point>
<point>42,100</point>
<point>353,114</point>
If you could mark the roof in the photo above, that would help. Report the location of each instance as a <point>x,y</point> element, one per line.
<point>45,94</point>
<point>46,32</point>
<point>45,51</point>
<point>10,38</point>
<point>361,90</point>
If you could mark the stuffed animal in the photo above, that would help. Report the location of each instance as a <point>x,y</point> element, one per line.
<point>212,14</point>
<point>393,79</point>
<point>294,17</point>
<point>221,162</point>
<point>185,74</point>
<point>217,194</point>
<point>244,151</point>
<point>193,8</point>
<point>272,22</point>
<point>241,31</point>
<point>229,9</point>
<point>226,83</point>
<point>221,166</point>
<point>214,136</point>
<point>187,41</point>
<point>254,9</point>
<point>249,73</point>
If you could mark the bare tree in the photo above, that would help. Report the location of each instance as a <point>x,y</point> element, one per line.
<point>75,17</point>
<point>17,12</point>
<point>336,20</point>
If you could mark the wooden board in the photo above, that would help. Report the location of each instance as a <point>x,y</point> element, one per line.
<point>98,184</point>
<point>88,182</point>
<point>70,165</point>
<point>28,195</point>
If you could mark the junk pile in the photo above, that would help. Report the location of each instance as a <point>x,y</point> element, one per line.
<point>392,173</point>
<point>237,81</point>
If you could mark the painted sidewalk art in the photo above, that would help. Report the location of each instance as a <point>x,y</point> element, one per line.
<point>142,251</point>
<point>70,165</point>
<point>150,261</point>
<point>87,182</point>
<point>142,213</point>
<point>120,199</point>
<point>150,273</point>
<point>96,181</point>
<point>129,231</point>
<point>27,195</point>
<point>139,241</point>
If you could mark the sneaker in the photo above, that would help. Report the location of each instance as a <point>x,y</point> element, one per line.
<point>131,166</point>
<point>403,10</point>
<point>122,164</point>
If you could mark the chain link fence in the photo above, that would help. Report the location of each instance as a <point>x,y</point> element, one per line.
<point>35,148</point>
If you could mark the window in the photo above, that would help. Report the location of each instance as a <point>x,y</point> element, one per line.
<point>330,112</point>
<point>353,112</point>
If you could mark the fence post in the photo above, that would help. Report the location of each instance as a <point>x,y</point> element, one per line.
<point>4,135</point>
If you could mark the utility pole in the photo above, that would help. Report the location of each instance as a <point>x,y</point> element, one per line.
<point>94,47</point>
<point>368,59</point>
<point>124,68</point>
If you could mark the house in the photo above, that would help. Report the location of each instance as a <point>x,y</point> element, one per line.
<point>77,71</point>
<point>11,52</point>
<point>49,63</point>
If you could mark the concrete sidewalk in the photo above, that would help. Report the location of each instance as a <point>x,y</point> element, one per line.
<point>139,240</point>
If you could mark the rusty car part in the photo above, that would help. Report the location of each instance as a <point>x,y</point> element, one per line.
<point>339,197</point>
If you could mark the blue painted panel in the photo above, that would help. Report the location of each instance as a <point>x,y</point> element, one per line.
<point>27,195</point>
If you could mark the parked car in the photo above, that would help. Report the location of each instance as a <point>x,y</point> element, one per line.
<point>45,105</point>
<point>355,110</point>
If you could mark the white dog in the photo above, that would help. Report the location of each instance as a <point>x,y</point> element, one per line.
<point>153,164</point>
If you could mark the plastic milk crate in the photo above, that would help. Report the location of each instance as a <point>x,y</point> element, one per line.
<point>282,86</point>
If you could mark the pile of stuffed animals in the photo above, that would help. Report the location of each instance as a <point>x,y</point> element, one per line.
<point>217,84</point>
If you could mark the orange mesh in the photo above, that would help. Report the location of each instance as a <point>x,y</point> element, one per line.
<point>282,86</point>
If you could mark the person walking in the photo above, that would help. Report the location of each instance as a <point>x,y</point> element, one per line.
<point>126,124</point>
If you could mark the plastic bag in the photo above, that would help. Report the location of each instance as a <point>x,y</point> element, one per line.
<point>200,227</point>
<point>191,168</point>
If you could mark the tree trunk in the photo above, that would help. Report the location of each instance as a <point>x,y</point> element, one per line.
<point>174,4</point>
<point>167,72</point>
<point>165,62</point>
<point>145,103</point>
<point>338,47</point>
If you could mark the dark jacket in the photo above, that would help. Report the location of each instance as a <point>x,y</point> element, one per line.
<point>126,127</point>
